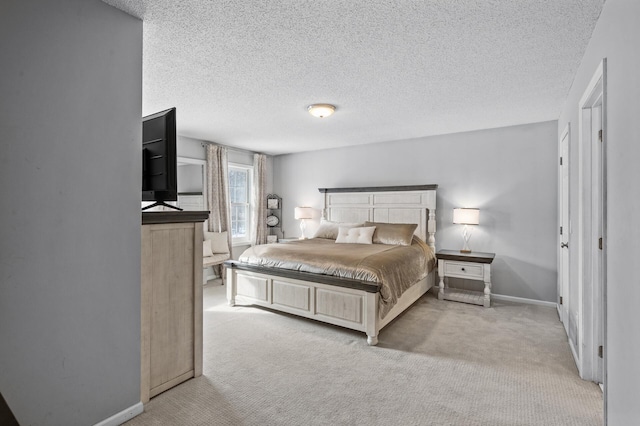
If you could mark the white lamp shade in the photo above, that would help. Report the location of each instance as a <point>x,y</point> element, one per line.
<point>466,216</point>
<point>304,213</point>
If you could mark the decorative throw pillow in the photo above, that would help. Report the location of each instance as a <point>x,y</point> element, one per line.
<point>219,241</point>
<point>355,235</point>
<point>393,233</point>
<point>206,248</point>
<point>329,230</point>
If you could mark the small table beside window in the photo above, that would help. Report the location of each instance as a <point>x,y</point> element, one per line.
<point>470,266</point>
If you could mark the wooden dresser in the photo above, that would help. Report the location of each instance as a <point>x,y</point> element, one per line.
<point>171,285</point>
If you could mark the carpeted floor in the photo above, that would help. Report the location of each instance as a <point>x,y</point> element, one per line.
<point>439,363</point>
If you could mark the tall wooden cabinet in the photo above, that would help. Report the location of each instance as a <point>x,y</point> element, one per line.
<point>171,285</point>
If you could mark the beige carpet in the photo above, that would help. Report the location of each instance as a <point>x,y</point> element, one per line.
<point>440,363</point>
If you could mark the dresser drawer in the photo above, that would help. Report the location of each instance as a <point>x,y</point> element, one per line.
<point>463,270</point>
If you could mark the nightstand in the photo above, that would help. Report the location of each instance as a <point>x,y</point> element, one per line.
<point>470,266</point>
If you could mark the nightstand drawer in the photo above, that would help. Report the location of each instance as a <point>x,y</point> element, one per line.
<point>463,270</point>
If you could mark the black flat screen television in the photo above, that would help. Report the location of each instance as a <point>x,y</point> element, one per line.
<point>159,160</point>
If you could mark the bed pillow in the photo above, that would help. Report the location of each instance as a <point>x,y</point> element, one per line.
<point>206,248</point>
<point>358,235</point>
<point>218,240</point>
<point>393,233</point>
<point>329,230</point>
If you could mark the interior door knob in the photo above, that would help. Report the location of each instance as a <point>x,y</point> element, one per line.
<point>564,245</point>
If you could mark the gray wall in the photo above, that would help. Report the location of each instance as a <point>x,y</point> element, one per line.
<point>616,37</point>
<point>188,147</point>
<point>509,173</point>
<point>70,170</point>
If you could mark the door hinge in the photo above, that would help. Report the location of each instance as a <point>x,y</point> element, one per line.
<point>561,300</point>
<point>600,351</point>
<point>600,243</point>
<point>600,135</point>
<point>561,161</point>
<point>561,230</point>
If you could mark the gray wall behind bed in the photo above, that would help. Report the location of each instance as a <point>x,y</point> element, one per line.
<point>508,173</point>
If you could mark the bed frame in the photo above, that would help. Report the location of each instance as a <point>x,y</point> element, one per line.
<point>345,302</point>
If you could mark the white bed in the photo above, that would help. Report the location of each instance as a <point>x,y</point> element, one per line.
<point>345,302</point>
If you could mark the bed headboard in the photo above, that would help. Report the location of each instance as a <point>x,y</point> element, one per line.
<point>388,204</point>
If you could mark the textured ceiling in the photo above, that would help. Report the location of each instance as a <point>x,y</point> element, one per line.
<point>242,72</point>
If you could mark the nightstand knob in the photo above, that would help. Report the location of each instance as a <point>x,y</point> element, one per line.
<point>463,269</point>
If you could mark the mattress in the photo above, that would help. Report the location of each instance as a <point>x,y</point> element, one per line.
<point>394,267</point>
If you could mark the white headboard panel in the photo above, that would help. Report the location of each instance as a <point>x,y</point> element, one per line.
<point>388,204</point>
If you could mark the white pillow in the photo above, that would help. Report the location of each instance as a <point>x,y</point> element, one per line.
<point>329,230</point>
<point>219,241</point>
<point>355,235</point>
<point>206,248</point>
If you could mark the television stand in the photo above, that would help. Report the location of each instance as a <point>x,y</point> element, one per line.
<point>161,203</point>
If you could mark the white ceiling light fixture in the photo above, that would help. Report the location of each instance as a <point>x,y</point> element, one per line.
<point>321,110</point>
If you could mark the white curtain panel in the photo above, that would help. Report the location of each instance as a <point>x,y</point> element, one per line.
<point>259,213</point>
<point>218,194</point>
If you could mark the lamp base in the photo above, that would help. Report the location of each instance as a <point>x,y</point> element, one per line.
<point>466,234</point>
<point>303,226</point>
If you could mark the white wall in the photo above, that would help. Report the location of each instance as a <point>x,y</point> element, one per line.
<point>70,129</point>
<point>616,37</point>
<point>509,173</point>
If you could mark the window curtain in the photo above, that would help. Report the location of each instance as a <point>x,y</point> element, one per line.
<point>218,195</point>
<point>259,205</point>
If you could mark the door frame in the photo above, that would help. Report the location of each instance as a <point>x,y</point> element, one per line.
<point>564,224</point>
<point>592,260</point>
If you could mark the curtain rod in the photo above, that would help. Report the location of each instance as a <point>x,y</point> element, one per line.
<point>246,151</point>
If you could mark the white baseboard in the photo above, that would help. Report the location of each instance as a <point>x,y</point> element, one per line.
<point>524,300</point>
<point>575,356</point>
<point>123,416</point>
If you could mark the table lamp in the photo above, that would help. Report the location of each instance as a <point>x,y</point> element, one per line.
<point>303,213</point>
<point>466,217</point>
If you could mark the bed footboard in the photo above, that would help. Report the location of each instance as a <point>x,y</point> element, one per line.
<point>351,308</point>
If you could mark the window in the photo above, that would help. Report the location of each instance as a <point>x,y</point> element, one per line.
<point>240,199</point>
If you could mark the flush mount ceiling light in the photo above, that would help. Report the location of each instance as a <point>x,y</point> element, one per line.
<point>321,110</point>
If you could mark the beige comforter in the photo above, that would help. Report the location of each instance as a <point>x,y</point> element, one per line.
<point>395,268</point>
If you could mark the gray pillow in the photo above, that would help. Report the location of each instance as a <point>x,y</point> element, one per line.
<point>393,233</point>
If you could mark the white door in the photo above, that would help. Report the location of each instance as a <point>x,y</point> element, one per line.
<point>563,249</point>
